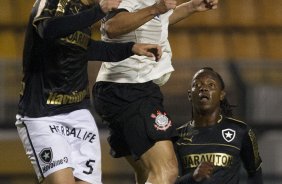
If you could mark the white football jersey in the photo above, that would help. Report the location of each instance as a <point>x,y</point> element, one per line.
<point>140,69</point>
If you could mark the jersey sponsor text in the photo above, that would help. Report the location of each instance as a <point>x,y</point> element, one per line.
<point>59,99</point>
<point>78,133</point>
<point>218,159</point>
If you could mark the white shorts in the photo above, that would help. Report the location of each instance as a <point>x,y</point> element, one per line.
<point>62,141</point>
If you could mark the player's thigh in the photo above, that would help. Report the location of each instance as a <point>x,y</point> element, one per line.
<point>86,150</point>
<point>60,177</point>
<point>160,156</point>
<point>47,152</point>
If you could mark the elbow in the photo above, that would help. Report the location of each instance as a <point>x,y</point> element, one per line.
<point>45,33</point>
<point>110,34</point>
<point>111,31</point>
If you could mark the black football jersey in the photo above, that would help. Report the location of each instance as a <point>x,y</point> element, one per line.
<point>55,67</point>
<point>227,144</point>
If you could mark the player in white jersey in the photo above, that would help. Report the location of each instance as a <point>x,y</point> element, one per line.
<point>127,94</point>
<point>131,70</point>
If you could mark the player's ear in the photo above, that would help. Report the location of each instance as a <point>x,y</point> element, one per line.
<point>189,95</point>
<point>222,95</point>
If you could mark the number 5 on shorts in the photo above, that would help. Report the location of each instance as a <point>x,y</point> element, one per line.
<point>89,164</point>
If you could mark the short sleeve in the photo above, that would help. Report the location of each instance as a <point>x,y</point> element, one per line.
<point>250,153</point>
<point>45,10</point>
<point>129,5</point>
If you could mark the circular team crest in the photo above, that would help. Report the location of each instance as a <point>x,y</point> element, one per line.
<point>161,121</point>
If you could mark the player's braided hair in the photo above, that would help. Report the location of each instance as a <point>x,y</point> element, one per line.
<point>225,106</point>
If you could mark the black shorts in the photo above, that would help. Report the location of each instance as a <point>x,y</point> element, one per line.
<point>135,114</point>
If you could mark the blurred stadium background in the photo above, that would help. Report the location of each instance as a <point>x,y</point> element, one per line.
<point>242,40</point>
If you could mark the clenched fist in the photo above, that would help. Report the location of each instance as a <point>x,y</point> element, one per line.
<point>150,50</point>
<point>203,5</point>
<point>203,171</point>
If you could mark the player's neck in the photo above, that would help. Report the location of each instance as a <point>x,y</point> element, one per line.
<point>206,120</point>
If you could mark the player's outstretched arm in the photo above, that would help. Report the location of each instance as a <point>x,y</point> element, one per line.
<point>121,21</point>
<point>54,27</point>
<point>61,26</point>
<point>114,52</point>
<point>186,9</point>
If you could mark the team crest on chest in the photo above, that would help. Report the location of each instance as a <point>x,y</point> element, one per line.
<point>46,155</point>
<point>228,134</point>
<point>161,121</point>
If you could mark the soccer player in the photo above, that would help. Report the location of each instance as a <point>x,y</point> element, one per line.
<point>57,130</point>
<point>127,94</point>
<point>213,145</point>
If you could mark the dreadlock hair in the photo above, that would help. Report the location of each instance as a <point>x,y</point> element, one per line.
<point>225,106</point>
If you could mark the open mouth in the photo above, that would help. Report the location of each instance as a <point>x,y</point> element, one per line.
<point>204,97</point>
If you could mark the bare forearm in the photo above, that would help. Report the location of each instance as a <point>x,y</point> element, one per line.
<point>186,9</point>
<point>181,12</point>
<point>125,22</point>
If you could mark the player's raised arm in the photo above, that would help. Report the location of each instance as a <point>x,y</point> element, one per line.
<point>186,9</point>
<point>123,21</point>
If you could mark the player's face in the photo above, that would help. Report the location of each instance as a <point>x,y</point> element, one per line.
<point>206,92</point>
